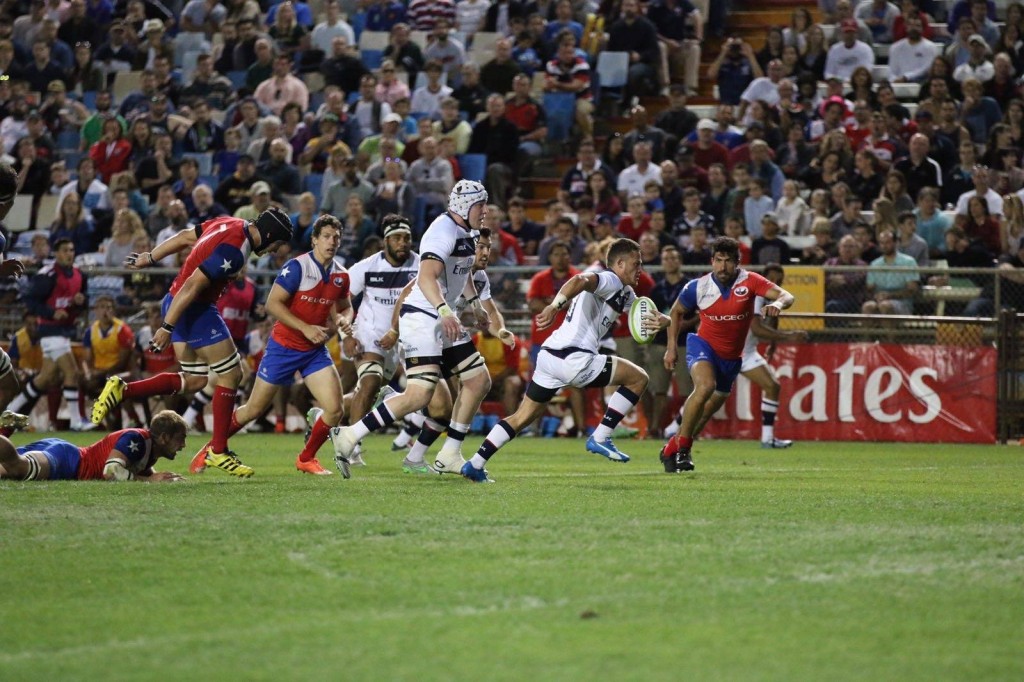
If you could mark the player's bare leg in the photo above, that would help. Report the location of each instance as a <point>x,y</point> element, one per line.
<point>504,431</point>
<point>223,360</point>
<point>764,377</point>
<point>632,383</point>
<point>69,369</point>
<point>325,385</point>
<point>32,466</point>
<point>435,421</point>
<point>475,385</point>
<point>370,377</point>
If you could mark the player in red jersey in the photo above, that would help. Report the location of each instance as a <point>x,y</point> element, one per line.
<point>306,294</point>
<point>192,323</point>
<point>125,455</point>
<point>725,300</point>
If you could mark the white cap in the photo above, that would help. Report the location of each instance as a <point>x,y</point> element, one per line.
<point>465,195</point>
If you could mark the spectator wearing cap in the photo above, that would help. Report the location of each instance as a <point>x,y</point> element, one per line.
<point>116,54</point>
<point>282,87</point>
<point>155,42</point>
<point>259,201</point>
<point>60,113</point>
<point>977,65</point>
<point>426,100</point>
<point>372,145</point>
<point>910,59</point>
<point>320,148</point>
<point>849,53</point>
<point>233,191</point>
<point>706,151</point>
<point>335,200</point>
<point>42,69</point>
<point>769,247</point>
<point>283,176</point>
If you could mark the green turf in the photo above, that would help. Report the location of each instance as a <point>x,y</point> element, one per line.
<point>823,562</point>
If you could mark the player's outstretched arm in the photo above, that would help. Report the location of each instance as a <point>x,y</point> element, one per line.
<point>576,285</point>
<point>168,247</point>
<point>780,300</point>
<point>497,323</point>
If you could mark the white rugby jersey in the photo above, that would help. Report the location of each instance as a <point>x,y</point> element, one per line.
<point>482,285</point>
<point>592,314</point>
<point>451,244</point>
<point>380,283</point>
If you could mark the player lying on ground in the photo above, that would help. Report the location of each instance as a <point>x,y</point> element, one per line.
<point>725,299</point>
<point>307,293</point>
<point>126,455</point>
<point>569,357</point>
<point>202,342</point>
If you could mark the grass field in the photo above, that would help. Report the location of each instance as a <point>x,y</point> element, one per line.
<point>823,562</point>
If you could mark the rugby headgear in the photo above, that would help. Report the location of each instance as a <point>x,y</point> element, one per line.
<point>465,195</point>
<point>273,226</point>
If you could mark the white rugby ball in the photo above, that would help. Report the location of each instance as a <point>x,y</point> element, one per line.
<point>637,312</point>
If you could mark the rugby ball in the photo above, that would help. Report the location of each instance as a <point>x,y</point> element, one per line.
<point>640,308</point>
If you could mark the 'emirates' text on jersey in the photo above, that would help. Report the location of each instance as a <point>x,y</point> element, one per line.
<point>592,314</point>
<point>314,291</point>
<point>451,244</point>
<point>725,311</point>
<point>380,283</point>
<point>221,251</point>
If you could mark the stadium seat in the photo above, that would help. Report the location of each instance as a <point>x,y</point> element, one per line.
<point>313,182</point>
<point>613,70</point>
<point>372,58</point>
<point>419,37</point>
<point>71,159</point>
<point>125,83</point>
<point>560,108</point>
<point>208,180</point>
<point>485,41</point>
<point>374,40</point>
<point>879,73</point>
<point>19,218</point>
<point>237,79</point>
<point>89,99</point>
<point>474,166</point>
<point>46,212</point>
<point>68,140</point>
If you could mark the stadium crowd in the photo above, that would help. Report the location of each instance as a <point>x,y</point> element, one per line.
<point>127,122</point>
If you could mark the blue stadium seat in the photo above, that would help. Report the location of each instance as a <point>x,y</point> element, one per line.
<point>474,166</point>
<point>560,108</point>
<point>89,99</point>
<point>312,183</point>
<point>68,140</point>
<point>237,78</point>
<point>372,58</point>
<point>613,70</point>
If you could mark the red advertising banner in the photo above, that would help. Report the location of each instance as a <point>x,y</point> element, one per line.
<point>872,392</point>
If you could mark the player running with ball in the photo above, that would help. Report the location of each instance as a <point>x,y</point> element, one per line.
<point>219,250</point>
<point>570,355</point>
<point>725,299</point>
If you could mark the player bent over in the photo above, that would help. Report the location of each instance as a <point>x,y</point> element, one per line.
<point>126,455</point>
<point>569,357</point>
<point>306,293</point>
<point>725,300</point>
<point>433,340</point>
<point>220,247</point>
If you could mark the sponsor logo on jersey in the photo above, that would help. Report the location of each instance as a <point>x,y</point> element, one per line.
<point>741,292</point>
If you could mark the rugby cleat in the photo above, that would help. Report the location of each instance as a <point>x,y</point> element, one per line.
<point>356,459</point>
<point>344,466</point>
<point>110,397</point>
<point>198,463</point>
<point>449,462</point>
<point>676,461</point>
<point>227,462</point>
<point>606,448</point>
<point>13,421</point>
<point>420,467</point>
<point>775,443</point>
<point>312,467</point>
<point>476,475</point>
<point>83,426</point>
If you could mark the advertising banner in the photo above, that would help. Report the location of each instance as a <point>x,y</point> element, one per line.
<point>872,392</point>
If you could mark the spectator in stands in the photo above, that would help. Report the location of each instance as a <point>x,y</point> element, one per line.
<point>895,190</point>
<point>157,168</point>
<point>606,202</point>
<point>333,26</point>
<point>384,15</point>
<point>909,242</point>
<point>977,65</point>
<point>761,166</point>
<point>612,156</point>
<point>643,131</point>
<point>451,126</point>
<point>981,226</point>
<point>343,68</point>
<point>72,224</point>
<point>957,180</point>
<point>283,176</point>
<point>207,86</point>
<point>734,70</point>
<point>677,121</point>
<point>423,15</point>
<point>687,173</point>
<point>879,16</point>
<point>471,96</point>
<point>756,206</point>
<point>706,150</point>
<point>318,150</point>
<point>964,252</point>
<point>563,233</point>
<point>259,147</point>
<point>844,222</point>
<point>335,200</point>
<point>526,54</point>
<point>259,201</point>
<point>92,192</point>
<point>373,146</point>
<point>76,25</point>
<point>204,135</point>
<point>388,90</point>
<point>636,220</point>
<point>714,201</point>
<point>498,138</point>
<point>445,50</point>
<point>822,248</point>
<point>980,180</point>
<point>393,194</point>
<point>263,67</point>
<point>680,27</point>
<point>911,58</point>
<point>792,211</point>
<point>158,217</point>
<point>764,89</point>
<point>403,53</point>
<point>528,233</point>
<point>426,100</point>
<point>289,35</point>
<point>42,69</point>
<point>282,87</point>
<point>233,191</point>
<point>672,186</point>
<point>111,152</point>
<point>563,21</point>
<point>188,180</point>
<point>691,218</point>
<point>497,75</point>
<point>156,43</point>
<point>1003,87</point>
<point>845,56</point>
<point>984,19</point>
<point>60,51</point>
<point>845,292</point>
<point>431,176</point>
<point>204,207</point>
<point>891,293</point>
<point>931,224</point>
<point>529,117</point>
<point>939,147</point>
<point>918,169</point>
<point>632,179</point>
<point>501,16</point>
<point>866,182</point>
<point>959,51</point>
<point>635,34</point>
<point>371,109</point>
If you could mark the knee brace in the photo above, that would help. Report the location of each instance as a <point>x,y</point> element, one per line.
<point>470,367</point>
<point>227,364</point>
<point>371,368</point>
<point>195,369</point>
<point>5,364</point>
<point>33,468</point>
<point>423,378</point>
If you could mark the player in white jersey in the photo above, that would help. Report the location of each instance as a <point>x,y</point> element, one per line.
<point>569,357</point>
<point>380,279</point>
<point>433,340</point>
